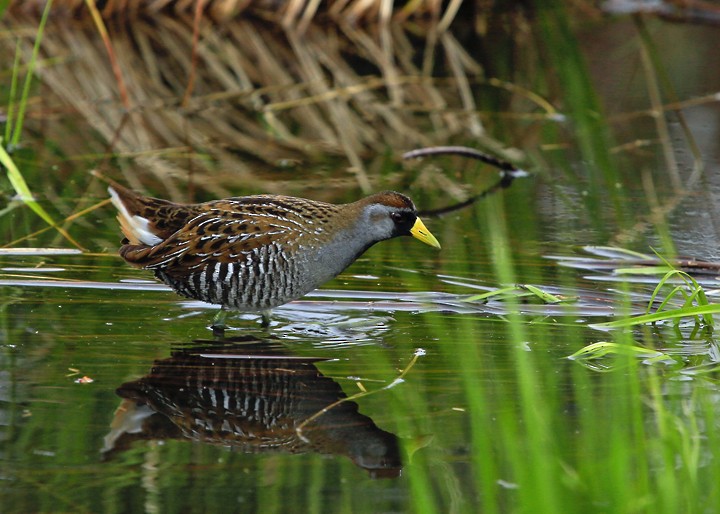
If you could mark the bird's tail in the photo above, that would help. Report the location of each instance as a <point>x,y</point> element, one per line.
<point>136,228</point>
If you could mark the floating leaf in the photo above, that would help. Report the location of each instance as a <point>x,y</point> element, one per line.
<point>603,348</point>
<point>591,355</point>
<point>491,294</point>
<point>518,291</point>
<point>543,295</point>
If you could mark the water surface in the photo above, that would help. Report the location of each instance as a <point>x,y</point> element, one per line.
<point>115,397</point>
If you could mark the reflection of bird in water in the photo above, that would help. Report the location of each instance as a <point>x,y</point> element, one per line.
<point>254,253</point>
<point>253,399</point>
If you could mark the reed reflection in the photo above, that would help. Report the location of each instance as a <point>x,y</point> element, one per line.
<point>251,396</point>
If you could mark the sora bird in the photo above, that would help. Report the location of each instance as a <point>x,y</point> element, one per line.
<point>254,253</point>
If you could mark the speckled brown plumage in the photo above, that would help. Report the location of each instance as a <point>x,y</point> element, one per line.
<point>254,253</point>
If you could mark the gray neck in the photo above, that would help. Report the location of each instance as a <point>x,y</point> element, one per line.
<point>333,258</point>
<point>370,224</point>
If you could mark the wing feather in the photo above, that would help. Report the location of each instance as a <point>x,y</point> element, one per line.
<point>228,231</point>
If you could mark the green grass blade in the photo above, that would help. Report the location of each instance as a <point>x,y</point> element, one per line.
<point>28,78</point>
<point>694,293</point>
<point>23,191</point>
<point>20,186</point>
<point>656,292</point>
<point>644,270</point>
<point>13,93</point>
<point>677,290</point>
<point>615,252</point>
<point>698,310</point>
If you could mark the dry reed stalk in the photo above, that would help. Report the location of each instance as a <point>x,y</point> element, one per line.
<point>291,14</point>
<point>259,97</point>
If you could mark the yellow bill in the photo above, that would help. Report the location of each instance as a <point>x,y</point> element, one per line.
<point>419,231</point>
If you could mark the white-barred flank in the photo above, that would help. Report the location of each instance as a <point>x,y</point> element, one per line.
<point>264,280</point>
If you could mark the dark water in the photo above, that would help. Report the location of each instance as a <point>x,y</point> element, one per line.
<point>115,397</point>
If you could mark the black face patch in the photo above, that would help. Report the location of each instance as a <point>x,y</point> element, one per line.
<point>403,220</point>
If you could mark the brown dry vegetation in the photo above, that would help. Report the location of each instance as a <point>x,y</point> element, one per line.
<point>182,97</point>
<point>291,13</point>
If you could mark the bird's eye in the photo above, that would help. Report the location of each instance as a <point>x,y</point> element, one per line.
<point>396,217</point>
